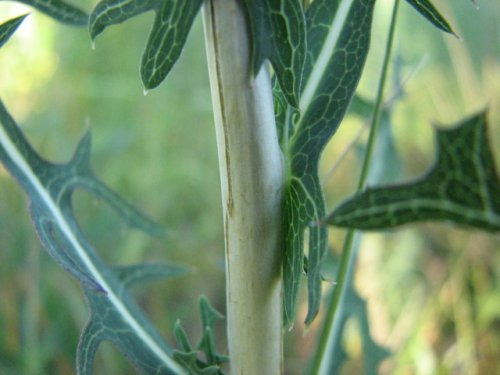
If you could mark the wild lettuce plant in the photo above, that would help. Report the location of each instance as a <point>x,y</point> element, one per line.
<point>283,74</point>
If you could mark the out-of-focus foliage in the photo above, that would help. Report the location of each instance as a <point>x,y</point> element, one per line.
<point>431,290</point>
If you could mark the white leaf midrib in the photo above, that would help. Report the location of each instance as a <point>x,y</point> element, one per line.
<point>28,173</point>
<point>327,49</point>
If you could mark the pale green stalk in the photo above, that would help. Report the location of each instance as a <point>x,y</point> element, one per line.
<point>321,360</point>
<point>251,170</point>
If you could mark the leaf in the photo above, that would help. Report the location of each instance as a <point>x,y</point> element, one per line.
<point>189,357</point>
<point>461,187</point>
<point>171,26</point>
<point>278,33</point>
<point>350,306</point>
<point>8,28</point>
<point>426,9</point>
<point>59,10</point>
<point>338,35</point>
<point>114,314</point>
<point>355,307</point>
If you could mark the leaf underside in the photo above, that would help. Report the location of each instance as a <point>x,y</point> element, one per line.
<point>462,187</point>
<point>59,10</point>
<point>168,35</point>
<point>338,35</point>
<point>114,314</point>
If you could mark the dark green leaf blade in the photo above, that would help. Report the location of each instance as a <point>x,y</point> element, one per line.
<point>278,33</point>
<point>427,9</point>
<point>8,28</point>
<point>462,187</point>
<point>173,21</point>
<point>59,10</point>
<point>168,36</point>
<point>338,35</point>
<point>112,12</point>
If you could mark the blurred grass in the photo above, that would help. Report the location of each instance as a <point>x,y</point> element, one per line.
<point>432,289</point>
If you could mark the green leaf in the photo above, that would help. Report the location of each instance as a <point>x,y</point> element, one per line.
<point>59,10</point>
<point>112,12</point>
<point>188,357</point>
<point>114,314</point>
<point>426,9</point>
<point>171,27</point>
<point>355,307</point>
<point>278,33</point>
<point>135,274</point>
<point>351,307</point>
<point>338,34</point>
<point>462,187</point>
<point>182,338</point>
<point>8,28</point>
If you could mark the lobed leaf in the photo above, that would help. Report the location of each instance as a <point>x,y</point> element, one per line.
<point>189,357</point>
<point>462,187</point>
<point>59,10</point>
<point>278,33</point>
<point>8,28</point>
<point>171,26</point>
<point>373,354</point>
<point>427,9</point>
<point>338,34</point>
<point>114,314</point>
<point>352,307</point>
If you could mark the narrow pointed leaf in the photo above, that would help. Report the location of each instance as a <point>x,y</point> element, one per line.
<point>188,357</point>
<point>171,27</point>
<point>9,27</point>
<point>80,163</point>
<point>209,315</point>
<point>427,9</point>
<point>141,273</point>
<point>114,314</point>
<point>338,35</point>
<point>59,10</point>
<point>112,12</point>
<point>182,338</point>
<point>373,354</point>
<point>278,33</point>
<point>167,39</point>
<point>462,187</point>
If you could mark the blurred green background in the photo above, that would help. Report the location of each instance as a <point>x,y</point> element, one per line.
<point>432,289</point>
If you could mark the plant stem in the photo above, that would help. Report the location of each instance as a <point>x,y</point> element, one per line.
<point>321,360</point>
<point>252,179</point>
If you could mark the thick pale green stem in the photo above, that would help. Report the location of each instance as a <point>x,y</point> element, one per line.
<point>251,171</point>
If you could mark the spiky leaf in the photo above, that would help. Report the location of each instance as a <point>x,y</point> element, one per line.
<point>462,187</point>
<point>278,33</point>
<point>8,28</point>
<point>171,27</point>
<point>338,35</point>
<point>114,314</point>
<point>59,10</point>
<point>427,9</point>
<point>189,357</point>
